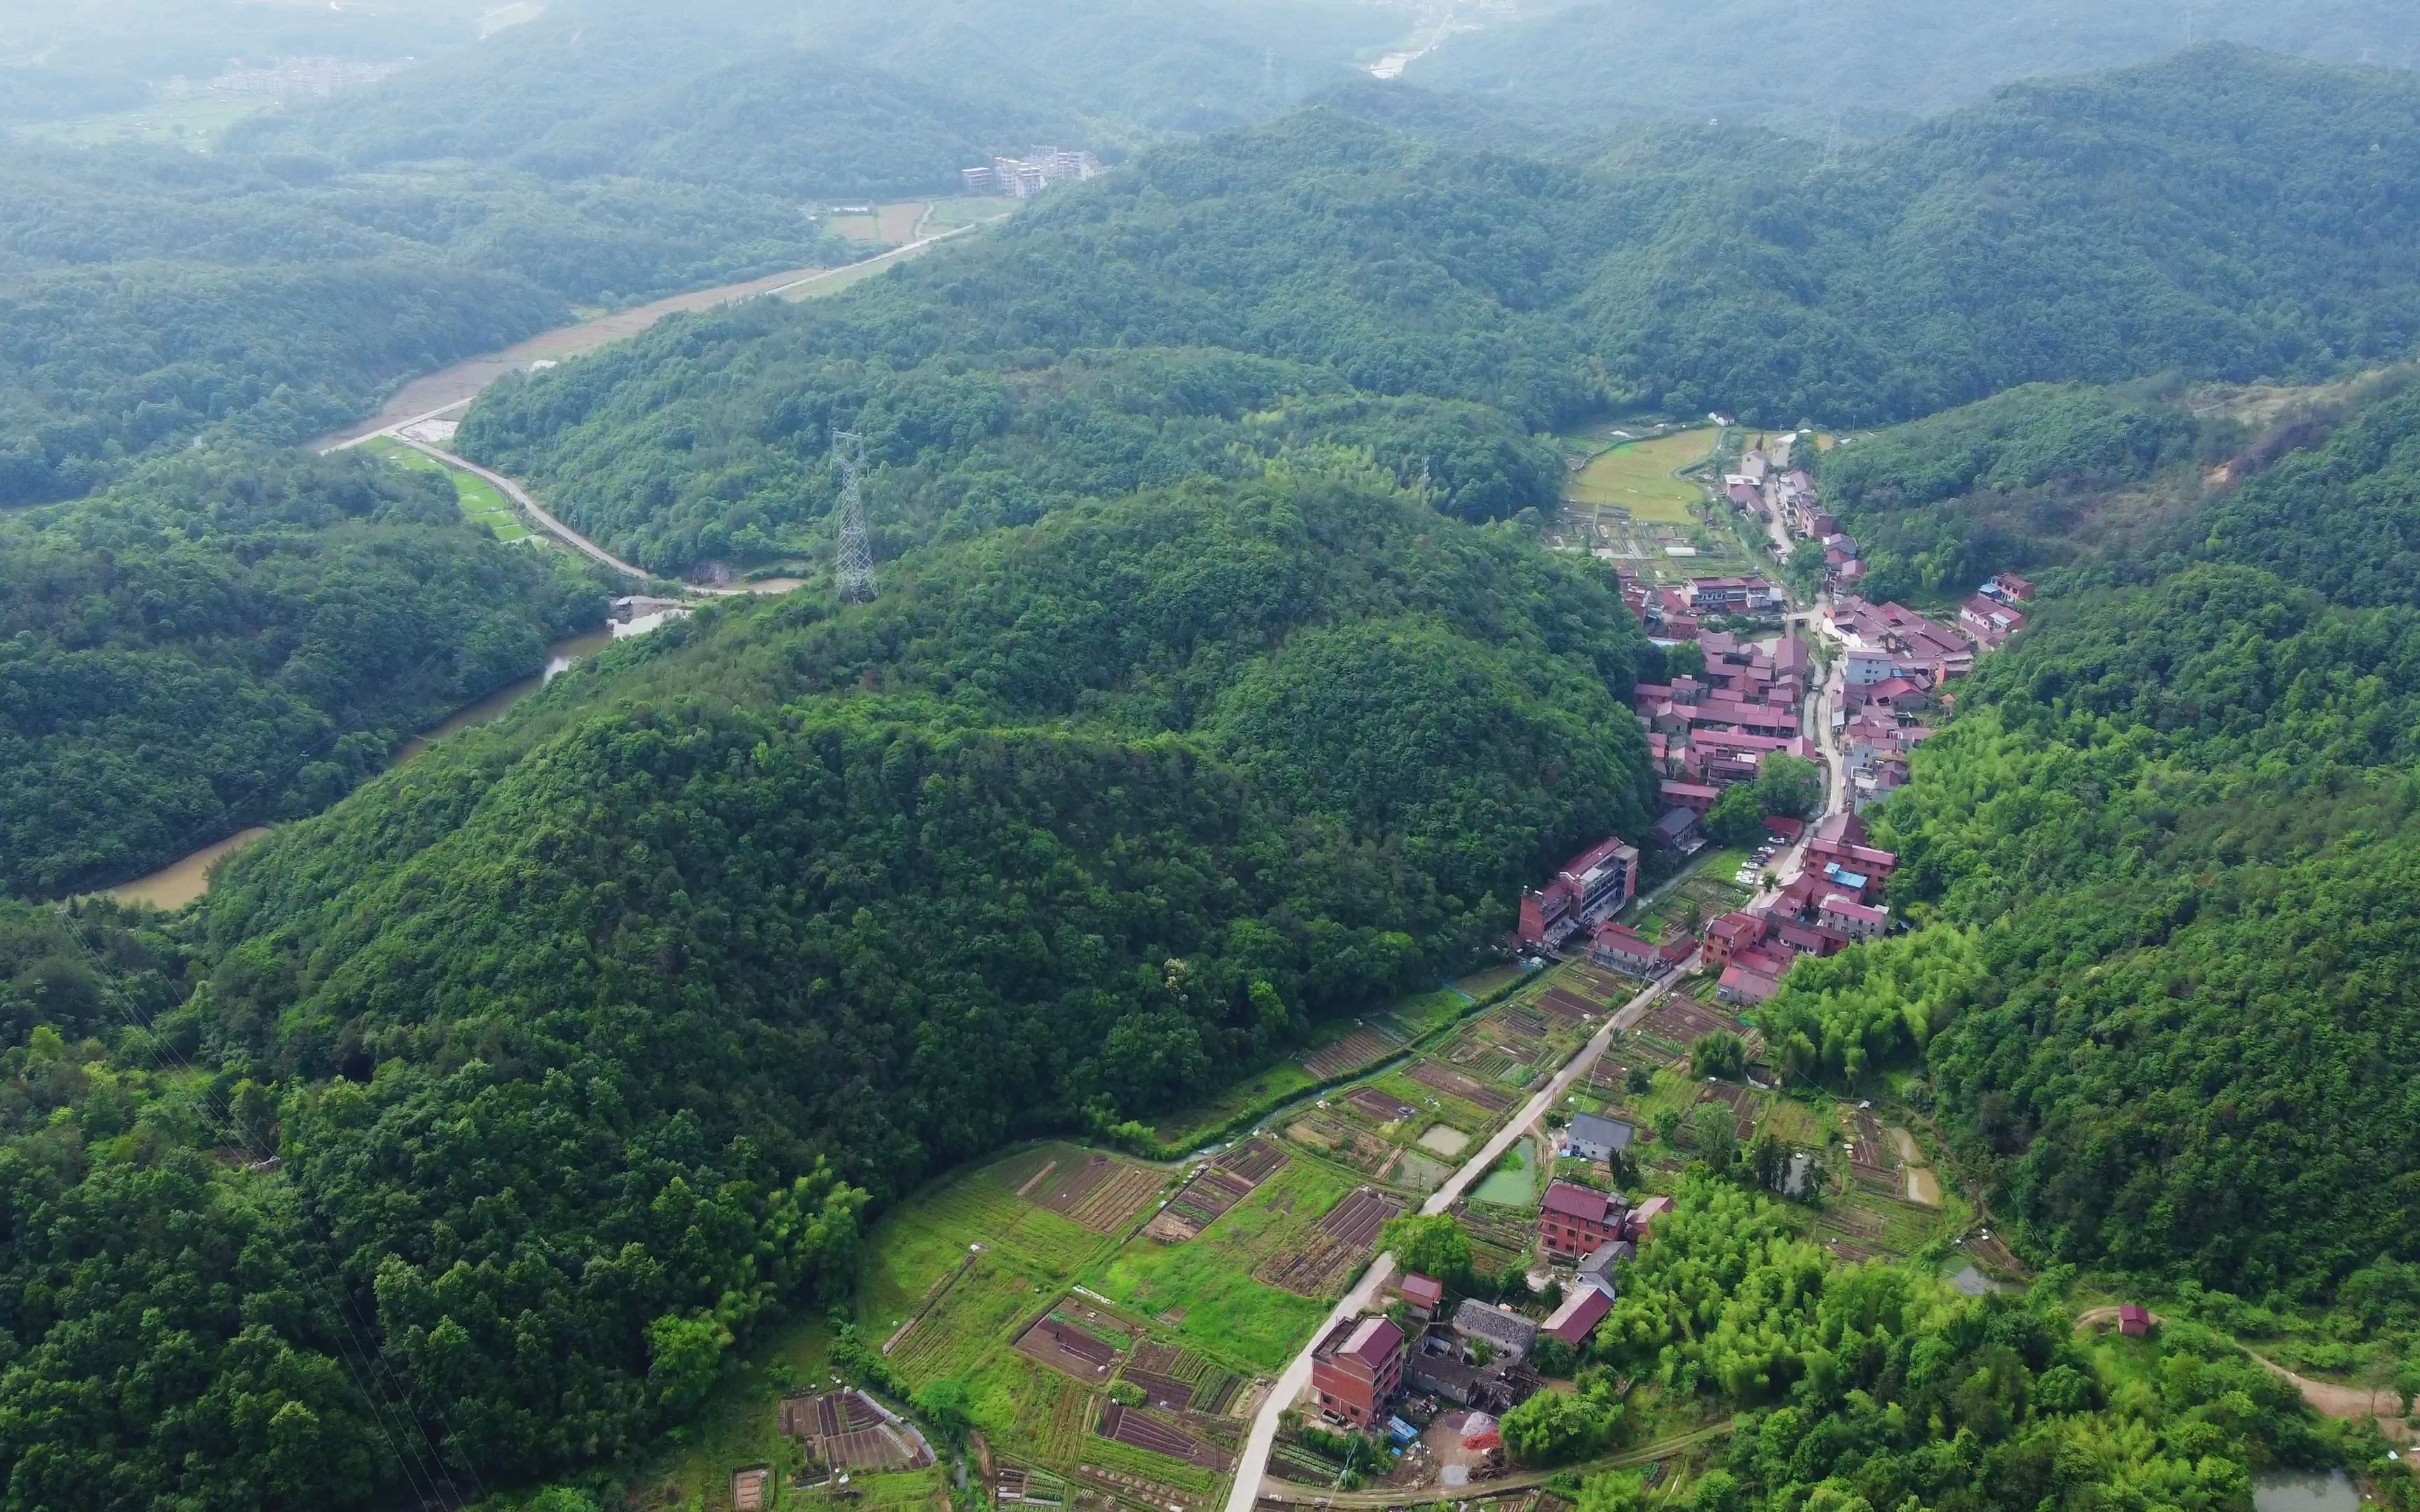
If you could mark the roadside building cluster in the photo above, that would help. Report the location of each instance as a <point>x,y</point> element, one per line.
<point>1834,900</point>
<point>1471,1354</point>
<point>1026,177</point>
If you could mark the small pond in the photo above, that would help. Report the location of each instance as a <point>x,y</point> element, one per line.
<point>2305,1491</point>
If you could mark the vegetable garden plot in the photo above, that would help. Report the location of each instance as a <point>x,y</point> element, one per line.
<point>1166,1392</point>
<point>1362,1047</point>
<point>1455,1083</point>
<point>1682,1020</point>
<point>1065,1347</point>
<point>1569,1007</point>
<point>1215,1188</point>
<point>1140,1430</point>
<point>1255,1161</point>
<point>1744,1105</point>
<point>1378,1107</point>
<point>1355,1147</point>
<point>1103,1194</point>
<point>1358,1218</point>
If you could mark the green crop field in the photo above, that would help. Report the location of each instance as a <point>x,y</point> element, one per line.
<point>481,503</point>
<point>195,123</point>
<point>978,1314</point>
<point>1226,1315</point>
<point>929,1236</point>
<point>1638,476</point>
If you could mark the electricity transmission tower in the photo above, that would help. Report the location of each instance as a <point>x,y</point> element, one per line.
<point>853,564</point>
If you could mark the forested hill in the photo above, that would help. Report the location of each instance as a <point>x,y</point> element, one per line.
<point>1859,67</point>
<point>565,1029</point>
<point>2169,851</point>
<point>151,295</point>
<point>235,637</point>
<point>834,97</point>
<point>2223,214</point>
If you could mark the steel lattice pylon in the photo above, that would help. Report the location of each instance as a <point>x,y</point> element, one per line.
<point>853,562</point>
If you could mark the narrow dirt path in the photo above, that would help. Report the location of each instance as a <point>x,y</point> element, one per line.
<point>2346,1404</point>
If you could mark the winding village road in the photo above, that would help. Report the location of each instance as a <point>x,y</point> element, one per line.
<point>402,429</point>
<point>1251,1467</point>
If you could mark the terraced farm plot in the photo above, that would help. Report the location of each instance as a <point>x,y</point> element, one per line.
<point>924,1240</point>
<point>1606,987</point>
<point>1218,1186</point>
<point>1213,1390</point>
<point>965,1322</point>
<point>1498,1239</point>
<point>1344,1143</point>
<point>845,1429</point>
<point>1637,477</point>
<point>1682,1020</point>
<point>1378,1107</point>
<point>1525,1021</point>
<point>1141,1431</point>
<point>1362,1047</point>
<point>1881,1222</point>
<point>1569,1007</point>
<point>1069,1349</point>
<point>1480,984</point>
<point>1204,1290</point>
<point>1346,1239</point>
<point>1455,1083</point>
<point>1358,1218</point>
<point>1102,1193</point>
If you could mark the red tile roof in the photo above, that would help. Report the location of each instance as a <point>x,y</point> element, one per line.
<point>1573,1200</point>
<point>1423,1290</point>
<point>1578,1318</point>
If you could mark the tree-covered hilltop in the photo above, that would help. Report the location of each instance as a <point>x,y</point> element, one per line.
<point>2133,482</point>
<point>151,295</point>
<point>2165,858</point>
<point>2091,229</point>
<point>584,1036</point>
<point>832,96</point>
<point>1861,67</point>
<point>2041,477</point>
<point>234,636</point>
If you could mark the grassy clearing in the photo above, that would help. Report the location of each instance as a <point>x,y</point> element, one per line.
<point>967,209</point>
<point>1271,1086</point>
<point>195,123</point>
<point>1638,476</point>
<point>1226,1315</point>
<point>925,1238</point>
<point>482,504</point>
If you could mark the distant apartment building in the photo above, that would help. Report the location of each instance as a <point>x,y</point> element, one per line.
<point>1023,178</point>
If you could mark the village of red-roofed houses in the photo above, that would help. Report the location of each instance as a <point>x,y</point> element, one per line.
<point>1857,719</point>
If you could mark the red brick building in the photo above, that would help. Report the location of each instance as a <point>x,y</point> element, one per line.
<point>1591,885</point>
<point>1576,1220</point>
<point>1357,1369</point>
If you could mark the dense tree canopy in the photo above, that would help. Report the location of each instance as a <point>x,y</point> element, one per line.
<point>233,637</point>
<point>1862,67</point>
<point>152,294</point>
<point>2166,854</point>
<point>2112,231</point>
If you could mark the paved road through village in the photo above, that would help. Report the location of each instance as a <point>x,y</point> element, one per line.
<point>1252,1466</point>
